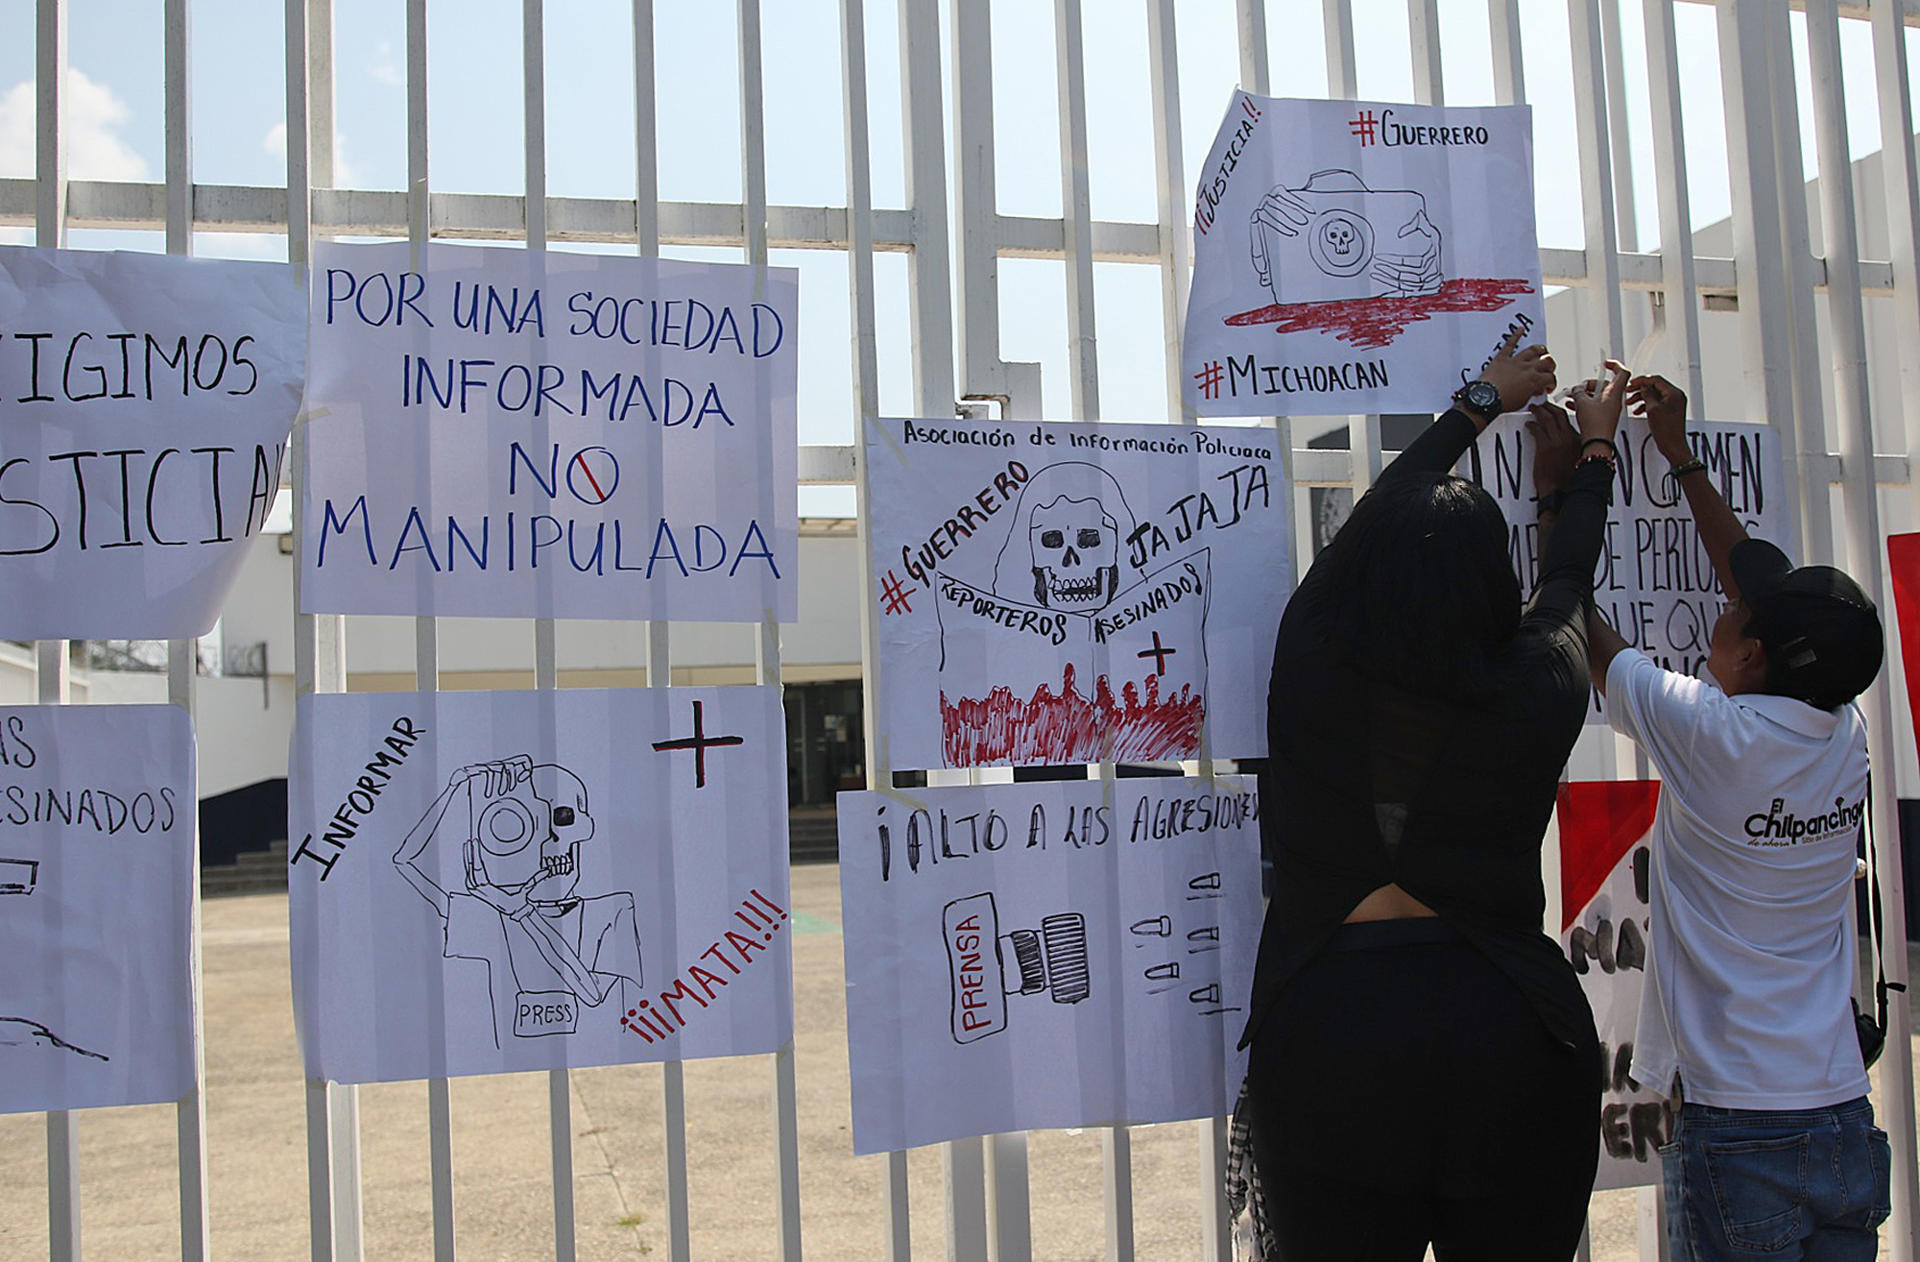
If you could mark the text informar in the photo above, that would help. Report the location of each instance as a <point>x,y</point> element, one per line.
<point>560,435</point>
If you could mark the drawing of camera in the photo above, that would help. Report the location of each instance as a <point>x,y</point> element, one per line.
<point>984,966</point>
<point>1334,239</point>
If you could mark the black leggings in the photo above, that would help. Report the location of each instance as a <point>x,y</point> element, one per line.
<point>1405,1093</point>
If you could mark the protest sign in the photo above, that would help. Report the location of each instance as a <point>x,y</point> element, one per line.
<point>145,402</point>
<point>1604,864</point>
<point>523,433</point>
<point>1048,592</point>
<point>1654,582</point>
<point>1357,256</point>
<point>1067,953</point>
<point>96,906</point>
<point>494,881</point>
<point>1903,573</point>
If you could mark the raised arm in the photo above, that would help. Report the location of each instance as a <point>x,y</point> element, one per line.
<point>1664,405</point>
<point>1576,525</point>
<point>1515,376</point>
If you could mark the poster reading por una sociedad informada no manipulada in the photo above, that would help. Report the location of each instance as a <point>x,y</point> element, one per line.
<point>1062,593</point>
<point>1654,581</point>
<point>145,403</point>
<point>484,882</point>
<point>96,895</point>
<point>1604,858</point>
<point>522,433</point>
<point>1045,955</point>
<point>1357,256</point>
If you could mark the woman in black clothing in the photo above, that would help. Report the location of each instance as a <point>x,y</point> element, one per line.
<point>1424,1066</point>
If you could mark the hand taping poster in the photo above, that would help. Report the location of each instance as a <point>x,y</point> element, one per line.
<point>524,433</point>
<point>1654,582</point>
<point>145,402</point>
<point>1048,592</point>
<point>1357,256</point>
<point>1049,954</point>
<point>1605,921</point>
<point>96,906</point>
<point>493,881</point>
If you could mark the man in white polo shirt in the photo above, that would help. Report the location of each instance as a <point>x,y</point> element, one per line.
<point>1747,1007</point>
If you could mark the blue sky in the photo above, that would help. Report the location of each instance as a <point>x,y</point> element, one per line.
<point>476,131</point>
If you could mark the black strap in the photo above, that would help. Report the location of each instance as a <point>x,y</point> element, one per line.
<point>1875,930</point>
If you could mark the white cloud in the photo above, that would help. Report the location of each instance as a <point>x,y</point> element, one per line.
<point>383,68</point>
<point>95,150</point>
<point>345,174</point>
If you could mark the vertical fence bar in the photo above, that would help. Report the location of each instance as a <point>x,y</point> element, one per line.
<point>1852,394</point>
<point>655,638</point>
<point>1902,187</point>
<point>1363,430</point>
<point>930,297</point>
<point>866,407</point>
<point>1758,235</point>
<point>1169,165</point>
<point>1083,373</point>
<point>183,656</point>
<point>1679,289</point>
<point>50,229</point>
<point>426,629</point>
<point>546,673</point>
<point>753,184</point>
<point>1509,72</point>
<point>1423,31</point>
<point>1809,407</point>
<point>1596,174</point>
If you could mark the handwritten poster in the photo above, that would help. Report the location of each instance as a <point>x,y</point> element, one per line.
<point>1903,574</point>
<point>1068,953</point>
<point>1357,256</point>
<point>1061,593</point>
<point>1604,860</point>
<point>96,894</point>
<point>145,403</point>
<point>494,881</point>
<point>522,433</point>
<point>1654,581</point>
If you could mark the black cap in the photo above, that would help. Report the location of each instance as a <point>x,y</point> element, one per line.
<point>1821,632</point>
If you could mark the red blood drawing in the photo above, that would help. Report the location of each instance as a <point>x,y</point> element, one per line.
<point>1066,727</point>
<point>1600,821</point>
<point>1376,322</point>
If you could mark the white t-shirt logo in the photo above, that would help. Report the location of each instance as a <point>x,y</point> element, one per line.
<point>1781,827</point>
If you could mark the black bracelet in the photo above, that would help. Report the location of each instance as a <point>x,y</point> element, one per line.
<point>1685,467</point>
<point>1608,441</point>
<point>1549,503</point>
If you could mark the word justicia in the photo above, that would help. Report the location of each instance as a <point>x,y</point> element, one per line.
<point>1781,826</point>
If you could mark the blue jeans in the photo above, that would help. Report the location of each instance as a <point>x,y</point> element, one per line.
<point>1805,1183</point>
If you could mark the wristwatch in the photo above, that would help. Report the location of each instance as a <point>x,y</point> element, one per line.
<point>1481,397</point>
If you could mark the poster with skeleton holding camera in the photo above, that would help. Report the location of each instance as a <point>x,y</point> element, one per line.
<point>1046,592</point>
<point>1356,256</point>
<point>526,880</point>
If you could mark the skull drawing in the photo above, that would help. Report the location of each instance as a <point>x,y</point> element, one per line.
<point>1076,553</point>
<point>530,838</point>
<point>1069,536</point>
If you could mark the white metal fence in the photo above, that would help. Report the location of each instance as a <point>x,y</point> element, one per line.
<point>1808,304</point>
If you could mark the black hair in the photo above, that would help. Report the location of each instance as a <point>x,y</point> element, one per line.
<point>1421,592</point>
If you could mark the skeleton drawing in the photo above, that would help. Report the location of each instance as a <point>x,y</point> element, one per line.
<point>1333,238</point>
<point>515,828</point>
<point>1070,528</point>
<point>20,878</point>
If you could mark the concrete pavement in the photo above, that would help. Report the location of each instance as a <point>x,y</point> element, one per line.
<point>256,1111</point>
